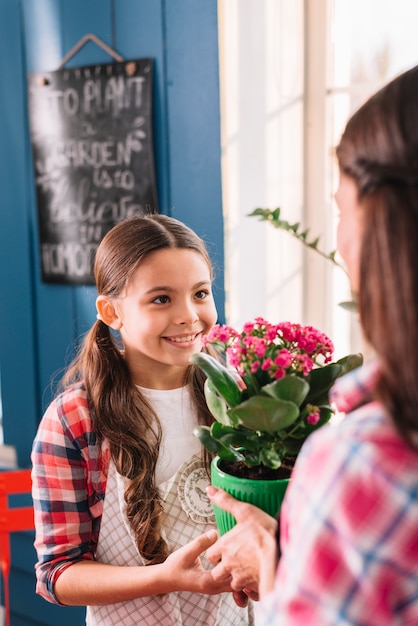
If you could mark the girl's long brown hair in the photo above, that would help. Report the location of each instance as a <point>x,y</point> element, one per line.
<point>121,413</point>
<point>379,150</point>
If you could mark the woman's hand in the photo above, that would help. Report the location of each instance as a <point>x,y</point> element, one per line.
<point>246,555</point>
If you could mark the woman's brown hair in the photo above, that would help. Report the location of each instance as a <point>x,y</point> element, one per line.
<point>121,413</point>
<point>379,150</point>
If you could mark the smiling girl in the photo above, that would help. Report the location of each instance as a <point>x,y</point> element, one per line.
<point>118,479</point>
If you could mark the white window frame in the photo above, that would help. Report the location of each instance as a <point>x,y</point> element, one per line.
<point>267,272</point>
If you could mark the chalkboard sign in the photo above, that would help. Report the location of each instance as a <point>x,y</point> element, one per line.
<point>91,133</point>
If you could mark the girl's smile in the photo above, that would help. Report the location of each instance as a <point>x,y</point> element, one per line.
<point>187,339</point>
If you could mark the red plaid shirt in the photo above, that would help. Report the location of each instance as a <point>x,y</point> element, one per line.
<point>350,522</point>
<point>69,483</point>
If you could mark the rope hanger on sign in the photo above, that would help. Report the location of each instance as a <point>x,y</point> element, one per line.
<point>82,42</point>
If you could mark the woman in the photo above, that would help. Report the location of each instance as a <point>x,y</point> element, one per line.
<point>349,523</point>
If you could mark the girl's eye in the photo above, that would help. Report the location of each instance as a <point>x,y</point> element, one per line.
<point>161,300</point>
<point>202,294</point>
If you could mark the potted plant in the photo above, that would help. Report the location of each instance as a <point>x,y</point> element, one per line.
<point>272,394</point>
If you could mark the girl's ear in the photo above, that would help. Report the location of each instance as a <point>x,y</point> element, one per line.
<point>107,312</point>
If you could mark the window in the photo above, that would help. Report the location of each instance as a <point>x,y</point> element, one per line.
<point>291,73</point>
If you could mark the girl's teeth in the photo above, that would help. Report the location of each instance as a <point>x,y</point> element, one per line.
<point>182,339</point>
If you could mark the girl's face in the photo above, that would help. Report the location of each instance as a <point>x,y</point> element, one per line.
<point>350,227</point>
<point>167,307</point>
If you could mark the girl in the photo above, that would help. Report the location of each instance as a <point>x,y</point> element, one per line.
<point>118,482</point>
<point>349,523</point>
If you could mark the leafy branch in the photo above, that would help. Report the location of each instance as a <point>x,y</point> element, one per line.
<point>273,217</point>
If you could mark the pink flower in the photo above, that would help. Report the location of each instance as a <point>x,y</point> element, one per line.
<point>248,341</point>
<point>288,331</point>
<point>235,355</point>
<point>260,321</point>
<point>279,373</point>
<point>306,363</point>
<point>271,333</point>
<point>248,328</point>
<point>224,335</point>
<point>260,348</point>
<point>255,366</point>
<point>264,352</point>
<point>220,334</point>
<point>314,415</point>
<point>283,358</point>
<point>313,418</point>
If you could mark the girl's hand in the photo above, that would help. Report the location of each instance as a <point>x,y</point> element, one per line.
<point>91,582</point>
<point>185,571</point>
<point>246,555</point>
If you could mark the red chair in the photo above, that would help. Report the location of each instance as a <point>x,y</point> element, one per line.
<point>12,519</point>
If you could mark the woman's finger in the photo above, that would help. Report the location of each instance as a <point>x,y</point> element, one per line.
<point>240,598</point>
<point>242,511</point>
<point>226,502</point>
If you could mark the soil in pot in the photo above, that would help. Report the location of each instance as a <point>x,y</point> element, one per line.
<point>260,472</point>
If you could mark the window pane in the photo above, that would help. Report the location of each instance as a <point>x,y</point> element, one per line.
<point>370,42</point>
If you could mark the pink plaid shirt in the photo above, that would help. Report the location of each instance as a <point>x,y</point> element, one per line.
<point>349,524</point>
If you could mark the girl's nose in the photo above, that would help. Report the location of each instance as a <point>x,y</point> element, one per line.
<point>187,313</point>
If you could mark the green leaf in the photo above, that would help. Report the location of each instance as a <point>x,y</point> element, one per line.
<point>350,362</point>
<point>216,403</point>
<point>290,388</point>
<point>349,305</point>
<point>239,441</point>
<point>292,445</point>
<point>230,455</point>
<point>321,380</point>
<point>203,433</point>
<point>265,414</point>
<point>227,438</point>
<point>205,438</point>
<point>253,459</point>
<point>270,458</point>
<point>218,431</point>
<point>221,378</point>
<point>238,438</point>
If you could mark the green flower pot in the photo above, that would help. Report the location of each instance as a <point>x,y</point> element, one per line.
<point>265,494</point>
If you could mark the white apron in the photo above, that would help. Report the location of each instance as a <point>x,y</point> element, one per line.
<point>188,515</point>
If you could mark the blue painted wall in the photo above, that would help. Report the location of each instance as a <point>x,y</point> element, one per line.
<point>41,323</point>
